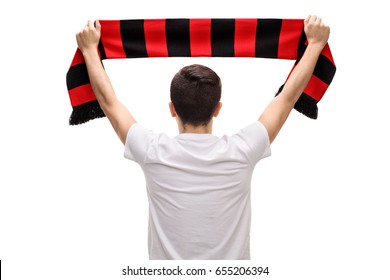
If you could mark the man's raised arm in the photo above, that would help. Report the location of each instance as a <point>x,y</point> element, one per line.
<point>120,118</point>
<point>278,110</point>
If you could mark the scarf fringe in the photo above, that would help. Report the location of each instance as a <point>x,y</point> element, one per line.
<point>86,112</point>
<point>307,106</point>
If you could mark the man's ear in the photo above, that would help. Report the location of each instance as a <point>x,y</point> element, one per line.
<point>172,109</point>
<point>218,109</point>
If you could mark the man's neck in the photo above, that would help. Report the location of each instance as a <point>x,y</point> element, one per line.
<point>199,129</point>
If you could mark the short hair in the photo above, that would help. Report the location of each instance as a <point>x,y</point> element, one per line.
<point>195,94</point>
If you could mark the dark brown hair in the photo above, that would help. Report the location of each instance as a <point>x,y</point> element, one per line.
<point>195,93</point>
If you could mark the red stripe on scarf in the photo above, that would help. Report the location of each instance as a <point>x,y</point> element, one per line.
<point>112,40</point>
<point>78,58</point>
<point>200,37</point>
<point>156,42</point>
<point>316,88</point>
<point>326,52</point>
<point>245,37</point>
<point>81,95</point>
<point>289,38</point>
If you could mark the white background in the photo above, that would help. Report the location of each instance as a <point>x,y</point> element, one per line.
<point>71,207</point>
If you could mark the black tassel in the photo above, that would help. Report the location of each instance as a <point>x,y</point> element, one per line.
<point>86,112</point>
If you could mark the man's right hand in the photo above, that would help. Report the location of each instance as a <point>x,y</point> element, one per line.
<point>88,38</point>
<point>316,32</point>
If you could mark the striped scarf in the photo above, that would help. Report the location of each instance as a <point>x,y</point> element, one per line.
<point>143,38</point>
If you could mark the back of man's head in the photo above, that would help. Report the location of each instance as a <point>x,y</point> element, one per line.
<point>195,94</point>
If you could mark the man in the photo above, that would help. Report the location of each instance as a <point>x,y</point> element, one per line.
<point>199,184</point>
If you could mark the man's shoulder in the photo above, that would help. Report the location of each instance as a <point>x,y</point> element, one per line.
<point>255,129</point>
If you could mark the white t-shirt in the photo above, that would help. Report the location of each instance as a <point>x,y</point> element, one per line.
<point>199,190</point>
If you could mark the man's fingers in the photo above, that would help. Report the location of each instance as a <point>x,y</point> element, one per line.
<point>90,24</point>
<point>98,26</point>
<point>307,19</point>
<point>312,18</point>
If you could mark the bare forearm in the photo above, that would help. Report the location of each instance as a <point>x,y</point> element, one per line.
<point>100,82</point>
<point>302,73</point>
<point>277,112</point>
<point>118,115</point>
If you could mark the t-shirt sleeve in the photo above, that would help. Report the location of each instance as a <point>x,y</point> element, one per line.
<point>256,139</point>
<point>137,143</point>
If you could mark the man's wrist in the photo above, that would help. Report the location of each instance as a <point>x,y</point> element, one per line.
<point>90,52</point>
<point>316,47</point>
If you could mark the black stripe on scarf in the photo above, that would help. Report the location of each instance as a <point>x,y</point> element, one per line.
<point>79,76</point>
<point>222,37</point>
<point>267,37</point>
<point>324,69</point>
<point>178,37</point>
<point>133,38</point>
